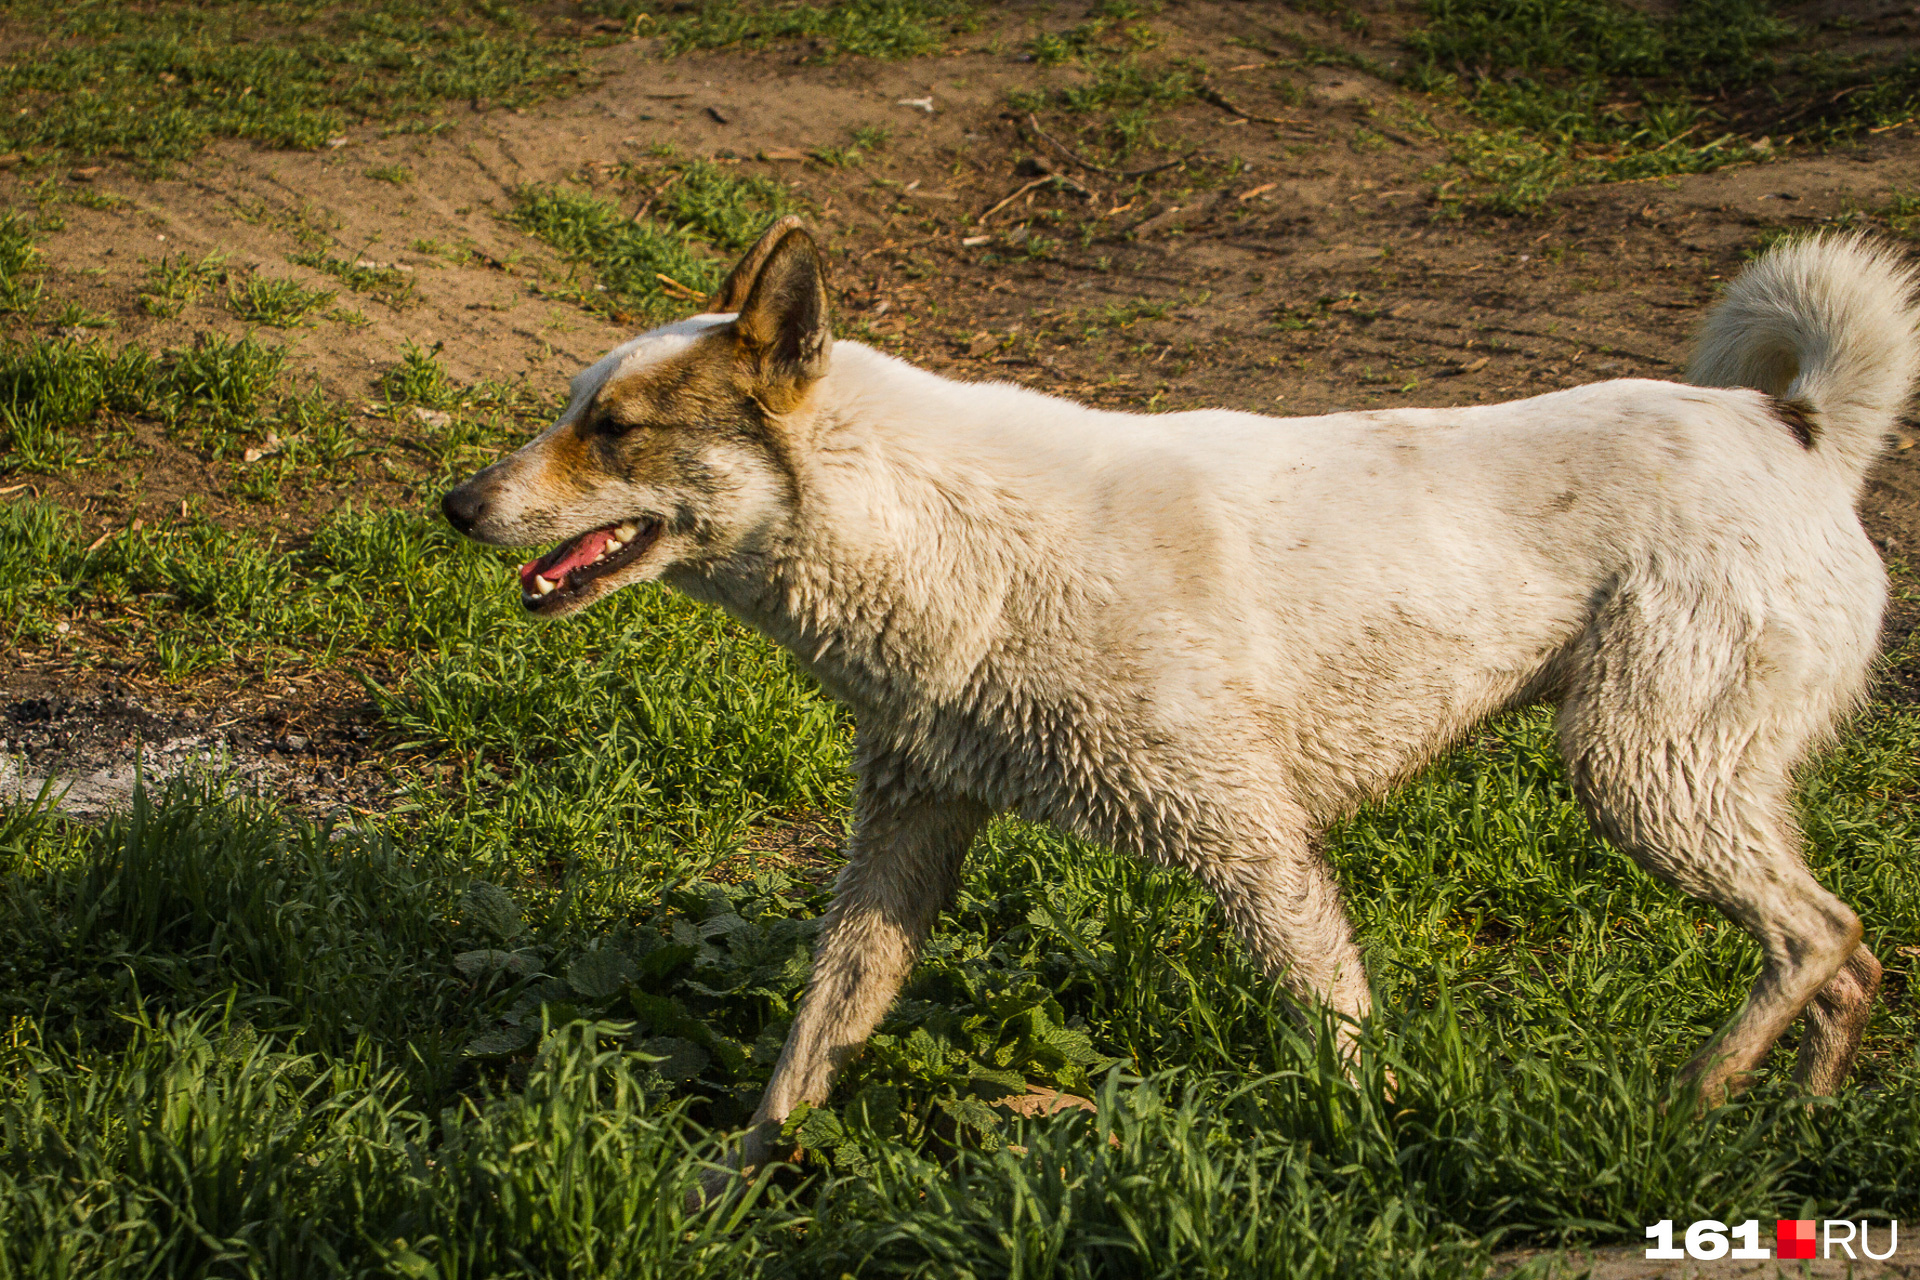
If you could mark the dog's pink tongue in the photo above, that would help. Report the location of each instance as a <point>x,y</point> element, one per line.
<point>556,565</point>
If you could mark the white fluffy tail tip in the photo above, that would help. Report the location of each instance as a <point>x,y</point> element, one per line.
<point>1826,323</point>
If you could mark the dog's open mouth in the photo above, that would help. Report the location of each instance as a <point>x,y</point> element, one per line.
<point>562,573</point>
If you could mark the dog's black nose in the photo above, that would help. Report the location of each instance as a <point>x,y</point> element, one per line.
<point>463,508</point>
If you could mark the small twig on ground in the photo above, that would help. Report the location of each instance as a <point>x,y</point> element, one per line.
<point>1085,191</point>
<point>653,195</point>
<point>1675,138</point>
<point>1039,181</point>
<point>894,246</point>
<point>1210,94</point>
<point>1085,163</point>
<point>675,289</point>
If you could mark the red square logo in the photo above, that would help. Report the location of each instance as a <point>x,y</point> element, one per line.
<point>1795,1236</point>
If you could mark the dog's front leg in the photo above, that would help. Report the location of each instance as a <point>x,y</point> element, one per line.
<point>903,868</point>
<point>1281,897</point>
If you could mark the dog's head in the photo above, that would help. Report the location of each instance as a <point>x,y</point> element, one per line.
<point>675,448</point>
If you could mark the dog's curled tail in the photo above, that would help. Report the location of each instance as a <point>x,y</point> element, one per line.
<point>1826,325</point>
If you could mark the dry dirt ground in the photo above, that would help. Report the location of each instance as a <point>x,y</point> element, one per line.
<point>1303,264</point>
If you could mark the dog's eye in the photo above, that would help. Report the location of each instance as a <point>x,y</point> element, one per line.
<point>608,425</point>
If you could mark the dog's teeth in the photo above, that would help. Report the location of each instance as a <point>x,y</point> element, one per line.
<point>626,532</point>
<point>541,585</point>
<point>613,545</point>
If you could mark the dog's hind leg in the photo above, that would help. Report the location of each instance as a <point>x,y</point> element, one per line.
<point>1836,1018</point>
<point>903,868</point>
<point>1689,771</point>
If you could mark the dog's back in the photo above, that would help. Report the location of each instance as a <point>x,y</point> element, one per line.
<point>1356,590</point>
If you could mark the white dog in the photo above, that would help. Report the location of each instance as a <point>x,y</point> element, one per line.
<point>1201,637</point>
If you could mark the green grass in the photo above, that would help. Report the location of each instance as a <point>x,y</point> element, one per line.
<point>49,390</point>
<point>156,84</point>
<point>889,29</point>
<point>1124,87</point>
<point>1580,91</point>
<point>1719,43</point>
<point>281,303</point>
<point>21,264</point>
<point>58,395</point>
<point>72,315</point>
<point>67,403</point>
<point>420,379</point>
<point>385,281</point>
<point>866,140</point>
<point>653,266</point>
<point>488,1032</point>
<point>460,1036</point>
<point>175,281</point>
<point>201,1134</point>
<point>1863,94</point>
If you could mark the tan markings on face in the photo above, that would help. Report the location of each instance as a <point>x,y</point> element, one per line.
<point>646,427</point>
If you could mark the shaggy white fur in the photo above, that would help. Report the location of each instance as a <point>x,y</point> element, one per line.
<point>1199,637</point>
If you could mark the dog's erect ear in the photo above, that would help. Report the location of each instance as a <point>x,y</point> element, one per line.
<point>732,295</point>
<point>783,321</point>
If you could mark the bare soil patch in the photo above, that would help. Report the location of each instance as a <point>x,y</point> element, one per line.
<point>90,740</point>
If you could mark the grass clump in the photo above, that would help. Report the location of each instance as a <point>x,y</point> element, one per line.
<point>386,281</point>
<point>72,315</point>
<point>50,389</point>
<point>21,286</point>
<point>1863,95</point>
<point>890,29</point>
<point>1591,90</point>
<point>1574,91</point>
<point>158,84</point>
<point>643,269</point>
<point>217,394</point>
<point>1124,85</point>
<point>724,209</point>
<point>420,379</point>
<point>654,266</point>
<point>281,303</point>
<point>218,388</point>
<point>866,140</point>
<point>175,281</point>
